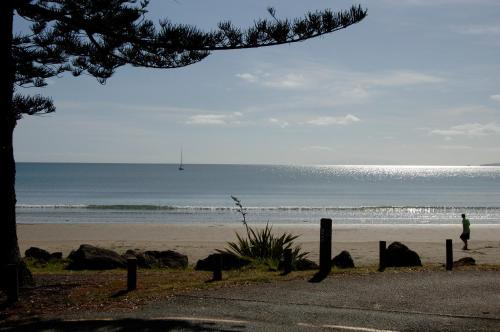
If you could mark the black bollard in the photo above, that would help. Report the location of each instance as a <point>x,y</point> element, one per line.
<point>449,254</point>
<point>382,250</point>
<point>325,246</point>
<point>131,274</point>
<point>287,261</point>
<point>217,268</point>
<point>12,282</point>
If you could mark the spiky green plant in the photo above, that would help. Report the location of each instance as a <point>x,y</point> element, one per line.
<point>261,244</point>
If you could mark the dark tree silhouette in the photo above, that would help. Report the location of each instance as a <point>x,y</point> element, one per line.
<point>96,37</point>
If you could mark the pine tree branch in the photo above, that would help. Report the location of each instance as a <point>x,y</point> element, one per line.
<point>96,37</point>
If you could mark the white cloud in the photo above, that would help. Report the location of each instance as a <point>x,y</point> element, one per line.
<point>401,78</point>
<point>468,147</point>
<point>276,80</point>
<point>355,93</point>
<point>331,120</point>
<point>433,3</point>
<point>468,109</point>
<point>208,119</point>
<point>288,81</point>
<point>316,148</point>
<point>326,77</point>
<point>455,147</point>
<point>325,87</point>
<point>495,97</point>
<point>248,77</point>
<point>469,129</point>
<point>279,123</point>
<point>479,30</point>
<point>120,107</point>
<point>215,119</point>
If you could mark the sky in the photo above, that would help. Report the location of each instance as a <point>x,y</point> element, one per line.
<point>417,82</point>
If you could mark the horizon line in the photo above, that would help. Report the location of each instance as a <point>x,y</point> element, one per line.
<point>250,164</point>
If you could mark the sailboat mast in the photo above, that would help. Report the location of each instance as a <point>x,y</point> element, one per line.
<point>181,168</point>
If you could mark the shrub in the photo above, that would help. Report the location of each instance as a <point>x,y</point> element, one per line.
<point>261,244</point>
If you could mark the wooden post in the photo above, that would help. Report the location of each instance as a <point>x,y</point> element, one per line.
<point>287,261</point>
<point>449,254</point>
<point>325,246</point>
<point>131,274</point>
<point>12,282</point>
<point>217,268</point>
<point>382,250</point>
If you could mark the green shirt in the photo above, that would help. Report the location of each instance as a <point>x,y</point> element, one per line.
<point>466,224</point>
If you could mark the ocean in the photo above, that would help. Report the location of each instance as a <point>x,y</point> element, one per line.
<point>160,193</point>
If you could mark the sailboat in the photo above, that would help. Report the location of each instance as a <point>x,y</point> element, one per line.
<point>181,166</point>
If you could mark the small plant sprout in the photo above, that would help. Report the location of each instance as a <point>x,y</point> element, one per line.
<point>242,210</point>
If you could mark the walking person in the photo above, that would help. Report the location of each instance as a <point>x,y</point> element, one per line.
<point>465,236</point>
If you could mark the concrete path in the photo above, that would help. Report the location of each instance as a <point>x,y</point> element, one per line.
<point>388,301</point>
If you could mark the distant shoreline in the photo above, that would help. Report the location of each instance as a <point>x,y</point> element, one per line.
<point>240,164</point>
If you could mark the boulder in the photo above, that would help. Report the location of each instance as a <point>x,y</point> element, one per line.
<point>465,261</point>
<point>167,259</point>
<point>142,261</point>
<point>88,257</point>
<point>229,262</point>
<point>343,260</point>
<point>158,259</point>
<point>38,254</point>
<point>397,254</point>
<point>305,264</point>
<point>56,255</point>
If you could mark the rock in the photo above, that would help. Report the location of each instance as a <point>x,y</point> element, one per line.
<point>305,264</point>
<point>38,254</point>
<point>343,260</point>
<point>56,255</point>
<point>167,258</point>
<point>397,254</point>
<point>229,262</point>
<point>88,257</point>
<point>142,260</point>
<point>465,261</point>
<point>158,259</point>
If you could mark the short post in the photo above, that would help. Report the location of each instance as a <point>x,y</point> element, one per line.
<point>449,254</point>
<point>382,251</point>
<point>325,246</point>
<point>12,281</point>
<point>287,261</point>
<point>131,273</point>
<point>217,268</point>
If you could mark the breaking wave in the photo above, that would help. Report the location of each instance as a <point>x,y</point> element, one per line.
<point>152,207</point>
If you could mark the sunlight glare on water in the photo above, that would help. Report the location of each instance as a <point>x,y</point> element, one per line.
<point>347,193</point>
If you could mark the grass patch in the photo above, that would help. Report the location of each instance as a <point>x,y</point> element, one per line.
<point>55,265</point>
<point>59,291</point>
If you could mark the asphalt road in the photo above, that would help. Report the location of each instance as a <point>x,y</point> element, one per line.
<point>388,301</point>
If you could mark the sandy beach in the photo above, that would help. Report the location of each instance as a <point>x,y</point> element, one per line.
<point>199,240</point>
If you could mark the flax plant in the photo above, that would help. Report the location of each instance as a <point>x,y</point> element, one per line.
<point>262,244</point>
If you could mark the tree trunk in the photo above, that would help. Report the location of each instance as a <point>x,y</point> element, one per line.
<point>9,248</point>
